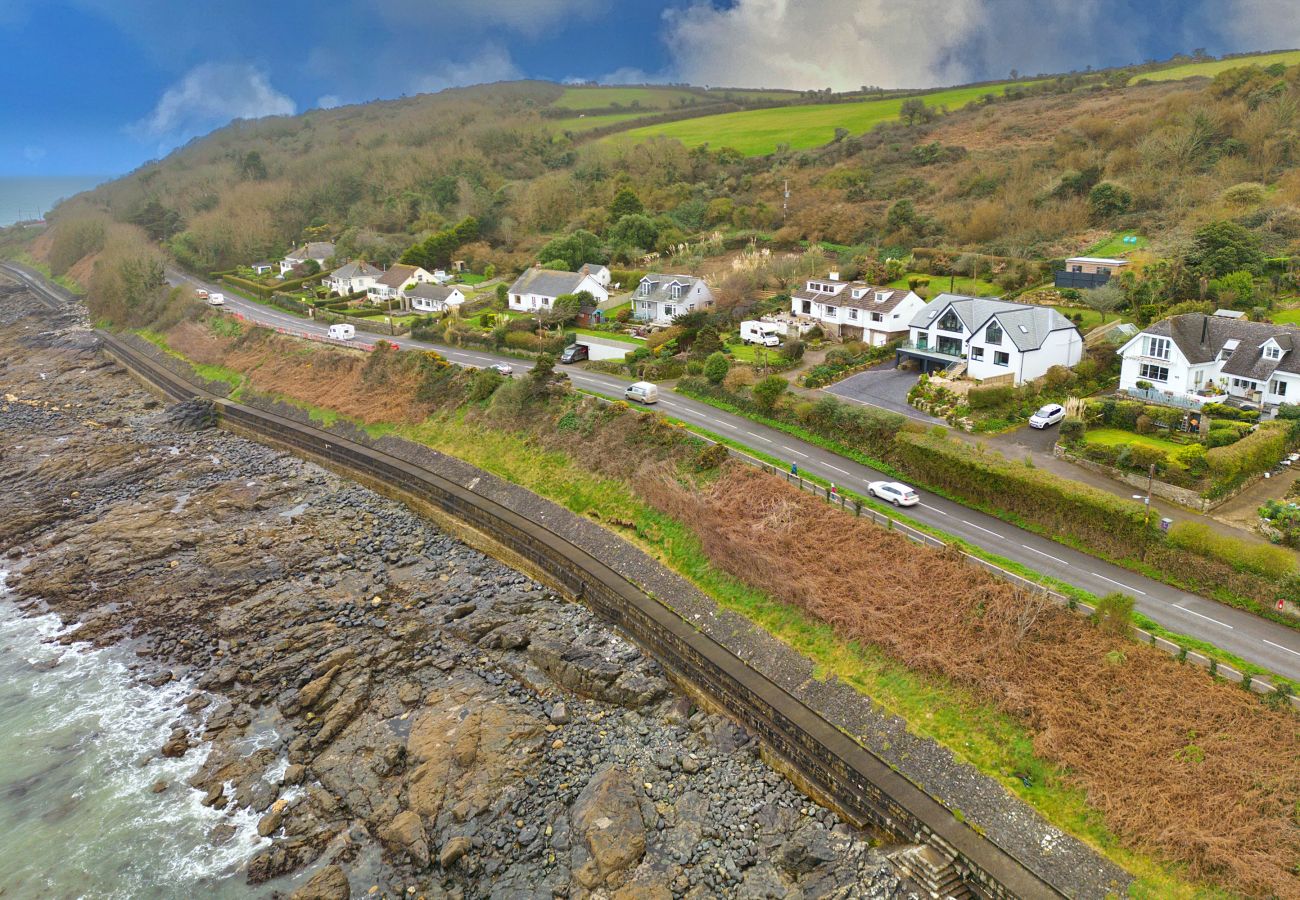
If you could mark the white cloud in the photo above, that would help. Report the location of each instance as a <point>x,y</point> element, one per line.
<point>1261,24</point>
<point>328,101</point>
<point>530,17</point>
<point>629,75</point>
<point>211,95</point>
<point>493,63</point>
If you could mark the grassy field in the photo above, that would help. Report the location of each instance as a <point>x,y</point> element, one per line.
<point>757,132</point>
<point>1091,318</point>
<point>587,123</point>
<point>1115,246</point>
<point>1214,67</point>
<point>943,284</point>
<point>610,335</point>
<point>1286,317</point>
<point>647,97</point>
<point>1115,437</point>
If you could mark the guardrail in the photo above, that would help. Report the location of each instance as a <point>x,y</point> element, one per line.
<point>866,789</point>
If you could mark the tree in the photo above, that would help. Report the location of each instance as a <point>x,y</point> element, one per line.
<point>901,215</point>
<point>503,293</point>
<point>1104,299</point>
<point>575,249</point>
<point>768,391</point>
<point>1235,288</point>
<point>311,267</point>
<point>159,222</point>
<point>1108,199</point>
<point>635,230</point>
<point>251,167</point>
<point>716,367</point>
<point>539,379</point>
<point>565,308</point>
<point>625,203</point>
<point>1223,247</point>
<point>912,109</point>
<point>707,341</point>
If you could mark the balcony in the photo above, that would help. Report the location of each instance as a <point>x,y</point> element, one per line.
<point>943,353</point>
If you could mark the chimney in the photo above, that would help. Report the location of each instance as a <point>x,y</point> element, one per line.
<point>835,276</point>
<point>586,269</point>
<point>1205,328</point>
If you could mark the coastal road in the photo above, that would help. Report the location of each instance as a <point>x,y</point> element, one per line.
<point>1264,643</point>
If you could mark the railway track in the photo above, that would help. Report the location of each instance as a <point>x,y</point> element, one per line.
<point>865,789</point>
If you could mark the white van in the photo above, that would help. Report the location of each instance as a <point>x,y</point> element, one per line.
<point>767,334</point>
<point>343,331</point>
<point>216,300</point>
<point>642,392</point>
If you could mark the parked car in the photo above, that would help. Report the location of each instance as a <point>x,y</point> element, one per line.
<point>575,353</point>
<point>216,300</point>
<point>895,492</point>
<point>342,331</point>
<point>642,392</point>
<point>503,369</point>
<point>201,294</point>
<point>1048,415</point>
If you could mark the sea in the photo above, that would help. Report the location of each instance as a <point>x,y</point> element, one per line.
<point>78,817</point>
<point>23,197</point>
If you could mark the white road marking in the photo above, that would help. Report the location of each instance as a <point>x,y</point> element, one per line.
<point>758,437</point>
<point>1206,618</point>
<point>1048,555</point>
<point>837,469</point>
<point>727,425</point>
<point>985,530</point>
<point>1278,646</point>
<point>804,455</point>
<point>1121,584</point>
<point>933,509</point>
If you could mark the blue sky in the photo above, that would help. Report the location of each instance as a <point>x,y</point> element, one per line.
<point>99,86</point>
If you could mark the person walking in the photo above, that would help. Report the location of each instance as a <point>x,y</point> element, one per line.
<point>794,469</point>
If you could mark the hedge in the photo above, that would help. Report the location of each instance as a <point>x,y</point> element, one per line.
<point>1250,556</point>
<point>1223,411</point>
<point>1256,452</point>
<point>258,290</point>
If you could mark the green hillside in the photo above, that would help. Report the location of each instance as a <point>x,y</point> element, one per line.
<point>646,97</point>
<point>760,131</point>
<point>1213,67</point>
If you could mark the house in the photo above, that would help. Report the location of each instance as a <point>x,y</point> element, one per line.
<point>537,288</point>
<point>1087,272</point>
<point>434,297</point>
<point>658,298</point>
<point>856,311</point>
<point>353,277</point>
<point>598,272</point>
<point>260,268</point>
<point>994,338</point>
<point>1187,359</point>
<point>390,286</point>
<point>318,251</point>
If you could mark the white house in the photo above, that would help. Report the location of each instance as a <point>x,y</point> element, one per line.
<point>598,272</point>
<point>353,277</point>
<point>391,285</point>
<point>261,268</point>
<point>659,298</point>
<point>1181,357</point>
<point>434,297</point>
<point>320,251</point>
<point>994,338</point>
<point>854,310</point>
<point>537,288</point>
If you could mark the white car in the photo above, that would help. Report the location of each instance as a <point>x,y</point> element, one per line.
<point>895,492</point>
<point>503,368</point>
<point>216,300</point>
<point>1048,415</point>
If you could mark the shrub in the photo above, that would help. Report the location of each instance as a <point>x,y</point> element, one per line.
<point>716,367</point>
<point>793,350</point>
<point>990,396</point>
<point>1143,458</point>
<point>1114,613</point>
<point>1072,431</point>
<point>1143,424</point>
<point>1257,451</point>
<point>524,340</point>
<point>768,391</point>
<point>1250,556</point>
<point>711,457</point>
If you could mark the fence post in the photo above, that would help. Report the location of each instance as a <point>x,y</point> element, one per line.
<point>857,509</point>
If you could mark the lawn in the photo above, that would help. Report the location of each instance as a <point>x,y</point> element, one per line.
<point>1091,318</point>
<point>1114,245</point>
<point>758,132</point>
<point>611,335</point>
<point>1214,67</point>
<point>1286,317</point>
<point>946,284</point>
<point>647,97</point>
<point>1116,437</point>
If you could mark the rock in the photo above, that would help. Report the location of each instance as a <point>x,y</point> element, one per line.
<point>330,883</point>
<point>214,795</point>
<point>453,850</point>
<point>177,745</point>
<point>559,714</point>
<point>607,815</point>
<point>270,823</point>
<point>764,882</point>
<point>806,850</point>
<point>221,833</point>
<point>406,832</point>
<point>311,692</point>
<point>159,679</point>
<point>158,786</point>
<point>294,774</point>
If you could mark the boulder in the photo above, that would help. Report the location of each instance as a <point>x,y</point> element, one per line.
<point>406,832</point>
<point>453,850</point>
<point>607,816</point>
<point>330,883</point>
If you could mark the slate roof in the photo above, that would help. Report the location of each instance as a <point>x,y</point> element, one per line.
<point>397,275</point>
<point>892,297</point>
<point>312,250</point>
<point>1026,326</point>
<point>1201,338</point>
<point>356,269</point>
<point>438,293</point>
<point>547,282</point>
<point>660,285</point>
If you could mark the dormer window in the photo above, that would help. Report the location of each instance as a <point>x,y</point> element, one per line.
<point>993,334</point>
<point>1272,351</point>
<point>881,296</point>
<point>675,291</point>
<point>645,289</point>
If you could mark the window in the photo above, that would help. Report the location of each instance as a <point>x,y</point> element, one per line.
<point>670,310</point>
<point>832,312</point>
<point>675,291</point>
<point>1272,351</point>
<point>1148,372</point>
<point>1277,388</point>
<point>1155,347</point>
<point>993,334</point>
<point>950,322</point>
<point>977,354</point>
<point>1001,358</point>
<point>877,317</point>
<point>645,289</point>
<point>1244,384</point>
<point>853,314</point>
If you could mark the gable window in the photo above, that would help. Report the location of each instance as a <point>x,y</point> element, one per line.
<point>1001,358</point>
<point>1155,347</point>
<point>977,354</point>
<point>1277,388</point>
<point>1272,351</point>
<point>1148,372</point>
<point>949,321</point>
<point>993,334</point>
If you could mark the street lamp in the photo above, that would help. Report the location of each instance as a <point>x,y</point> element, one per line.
<point>1146,515</point>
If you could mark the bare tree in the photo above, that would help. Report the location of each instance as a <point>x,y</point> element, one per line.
<point>1104,299</point>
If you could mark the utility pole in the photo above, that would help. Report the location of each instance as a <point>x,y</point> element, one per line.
<point>1146,515</point>
<point>785,201</point>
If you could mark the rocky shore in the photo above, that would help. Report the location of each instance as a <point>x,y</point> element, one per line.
<point>405,715</point>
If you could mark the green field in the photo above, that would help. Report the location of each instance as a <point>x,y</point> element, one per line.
<point>1114,245</point>
<point>647,97</point>
<point>1117,437</point>
<point>1214,67</point>
<point>1286,317</point>
<point>609,335</point>
<point>944,284</point>
<point>757,132</point>
<point>586,123</point>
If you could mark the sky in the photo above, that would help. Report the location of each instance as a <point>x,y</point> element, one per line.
<point>101,86</point>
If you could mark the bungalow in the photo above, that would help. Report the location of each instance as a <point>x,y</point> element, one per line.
<point>1087,272</point>
<point>855,310</point>
<point>260,268</point>
<point>434,297</point>
<point>598,272</point>
<point>353,277</point>
<point>659,298</point>
<point>1187,359</point>
<point>537,288</point>
<point>992,337</point>
<point>319,251</point>
<point>391,285</point>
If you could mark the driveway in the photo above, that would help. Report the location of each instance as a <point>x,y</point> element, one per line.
<point>1024,438</point>
<point>884,386</point>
